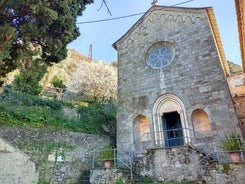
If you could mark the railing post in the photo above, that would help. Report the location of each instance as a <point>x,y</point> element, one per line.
<point>93,160</point>
<point>114,159</point>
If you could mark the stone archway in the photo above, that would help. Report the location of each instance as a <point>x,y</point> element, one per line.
<point>164,106</point>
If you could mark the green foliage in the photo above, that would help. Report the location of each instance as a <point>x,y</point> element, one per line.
<point>150,181</point>
<point>28,80</point>
<point>17,109</point>
<point>13,97</point>
<point>234,68</point>
<point>95,115</point>
<point>232,142</point>
<point>226,168</point>
<point>36,28</point>
<point>58,83</point>
<point>48,24</point>
<point>7,35</point>
<point>106,153</point>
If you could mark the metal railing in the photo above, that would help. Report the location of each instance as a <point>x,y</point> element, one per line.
<point>168,138</point>
<point>118,159</point>
<point>209,146</point>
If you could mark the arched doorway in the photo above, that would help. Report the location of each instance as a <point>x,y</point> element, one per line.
<point>173,132</point>
<point>169,120</point>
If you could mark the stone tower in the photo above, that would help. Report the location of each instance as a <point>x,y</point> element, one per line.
<point>172,80</point>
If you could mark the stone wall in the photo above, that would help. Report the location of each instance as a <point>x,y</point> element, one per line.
<point>105,176</point>
<point>61,156</point>
<point>16,167</point>
<point>237,88</point>
<point>182,163</point>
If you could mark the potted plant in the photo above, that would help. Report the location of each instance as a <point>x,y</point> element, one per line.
<point>106,154</point>
<point>233,145</point>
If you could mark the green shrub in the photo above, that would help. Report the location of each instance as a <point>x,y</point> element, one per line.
<point>93,116</point>
<point>232,142</point>
<point>58,83</point>
<point>18,109</point>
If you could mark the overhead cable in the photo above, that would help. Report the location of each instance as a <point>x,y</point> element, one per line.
<point>126,16</point>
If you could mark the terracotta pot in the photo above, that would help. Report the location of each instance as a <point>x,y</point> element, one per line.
<point>107,163</point>
<point>235,156</point>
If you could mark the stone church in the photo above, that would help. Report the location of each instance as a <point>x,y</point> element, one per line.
<point>172,81</point>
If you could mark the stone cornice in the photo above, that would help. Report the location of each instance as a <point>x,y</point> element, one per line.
<point>218,41</point>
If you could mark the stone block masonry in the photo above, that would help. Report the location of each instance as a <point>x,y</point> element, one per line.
<point>60,156</point>
<point>193,80</point>
<point>182,163</point>
<point>16,167</point>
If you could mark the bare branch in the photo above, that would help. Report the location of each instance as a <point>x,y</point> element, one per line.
<point>104,2</point>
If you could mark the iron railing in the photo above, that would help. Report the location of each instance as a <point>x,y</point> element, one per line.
<point>119,159</point>
<point>208,145</point>
<point>167,138</point>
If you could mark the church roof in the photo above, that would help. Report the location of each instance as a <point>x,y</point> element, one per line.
<point>212,21</point>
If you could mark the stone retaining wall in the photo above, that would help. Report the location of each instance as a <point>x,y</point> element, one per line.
<point>182,163</point>
<point>61,156</point>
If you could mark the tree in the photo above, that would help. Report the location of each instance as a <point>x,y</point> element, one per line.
<point>95,81</point>
<point>31,28</point>
<point>58,83</point>
<point>28,80</point>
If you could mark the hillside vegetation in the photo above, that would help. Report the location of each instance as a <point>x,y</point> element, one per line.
<point>83,78</point>
<point>86,105</point>
<point>17,109</point>
<point>234,68</point>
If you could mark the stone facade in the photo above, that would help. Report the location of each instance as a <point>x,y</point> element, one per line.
<point>193,80</point>
<point>58,156</point>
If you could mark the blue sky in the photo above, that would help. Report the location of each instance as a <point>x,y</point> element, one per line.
<point>103,34</point>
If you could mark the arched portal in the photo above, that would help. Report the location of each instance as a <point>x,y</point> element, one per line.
<point>169,120</point>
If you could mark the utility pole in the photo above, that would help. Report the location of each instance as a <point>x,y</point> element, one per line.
<point>90,51</point>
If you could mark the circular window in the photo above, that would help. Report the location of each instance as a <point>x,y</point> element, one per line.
<point>160,56</point>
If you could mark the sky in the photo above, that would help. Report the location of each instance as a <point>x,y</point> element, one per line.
<point>103,34</point>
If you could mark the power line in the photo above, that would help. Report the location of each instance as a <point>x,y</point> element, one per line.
<point>103,20</point>
<point>126,16</point>
<point>183,2</point>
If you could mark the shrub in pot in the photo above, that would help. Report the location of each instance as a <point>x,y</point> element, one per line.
<point>106,154</point>
<point>233,144</point>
